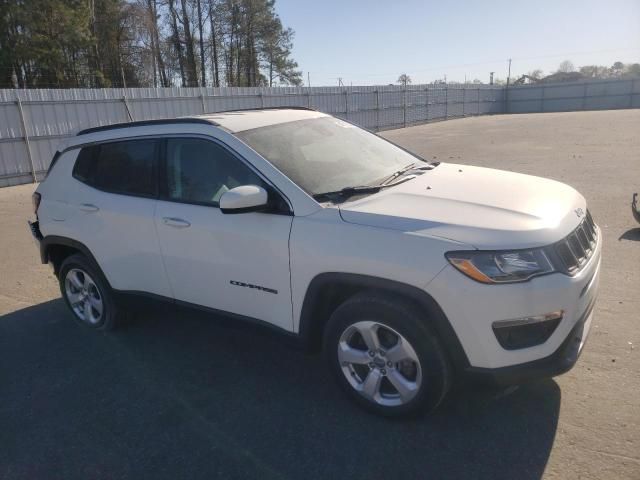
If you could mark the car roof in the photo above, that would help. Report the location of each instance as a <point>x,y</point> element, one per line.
<point>232,121</point>
<point>241,120</point>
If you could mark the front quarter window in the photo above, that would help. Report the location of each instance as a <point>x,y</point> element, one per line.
<point>327,154</point>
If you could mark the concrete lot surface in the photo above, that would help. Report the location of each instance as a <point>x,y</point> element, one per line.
<point>179,395</point>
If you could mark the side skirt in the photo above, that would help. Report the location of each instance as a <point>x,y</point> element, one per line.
<point>136,299</point>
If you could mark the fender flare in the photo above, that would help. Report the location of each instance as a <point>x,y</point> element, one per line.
<point>311,323</point>
<point>52,240</point>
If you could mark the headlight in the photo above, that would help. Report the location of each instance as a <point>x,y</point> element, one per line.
<point>501,267</point>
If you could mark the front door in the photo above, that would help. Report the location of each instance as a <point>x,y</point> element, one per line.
<point>237,263</point>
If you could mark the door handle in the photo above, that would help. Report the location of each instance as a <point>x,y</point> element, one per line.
<point>176,222</point>
<point>88,207</point>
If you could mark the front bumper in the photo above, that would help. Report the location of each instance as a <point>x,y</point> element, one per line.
<point>561,361</point>
<point>472,309</point>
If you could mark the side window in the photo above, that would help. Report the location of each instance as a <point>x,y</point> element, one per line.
<point>199,171</point>
<point>127,167</point>
<point>84,163</point>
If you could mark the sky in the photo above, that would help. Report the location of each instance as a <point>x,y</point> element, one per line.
<point>373,42</point>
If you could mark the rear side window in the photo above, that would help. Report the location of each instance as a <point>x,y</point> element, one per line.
<point>84,162</point>
<point>127,167</point>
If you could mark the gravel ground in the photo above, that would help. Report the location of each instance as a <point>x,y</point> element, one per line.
<point>177,395</point>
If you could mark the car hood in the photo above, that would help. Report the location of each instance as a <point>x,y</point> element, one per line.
<point>481,207</point>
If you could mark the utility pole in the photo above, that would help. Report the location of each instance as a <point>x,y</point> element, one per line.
<point>509,74</point>
<point>340,84</point>
<point>491,78</point>
<point>308,80</point>
<point>445,78</point>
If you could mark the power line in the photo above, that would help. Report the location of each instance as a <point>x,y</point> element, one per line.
<point>461,65</point>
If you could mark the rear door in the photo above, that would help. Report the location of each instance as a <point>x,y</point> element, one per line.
<point>237,263</point>
<point>111,202</point>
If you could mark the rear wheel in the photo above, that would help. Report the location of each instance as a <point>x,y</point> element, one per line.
<point>385,357</point>
<point>87,294</point>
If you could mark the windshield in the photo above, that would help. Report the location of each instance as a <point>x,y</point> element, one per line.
<point>327,154</point>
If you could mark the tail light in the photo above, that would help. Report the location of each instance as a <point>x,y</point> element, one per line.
<point>35,200</point>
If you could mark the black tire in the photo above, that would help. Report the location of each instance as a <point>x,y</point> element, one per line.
<point>406,320</point>
<point>111,316</point>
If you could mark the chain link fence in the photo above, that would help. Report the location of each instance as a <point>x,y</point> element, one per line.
<point>34,122</point>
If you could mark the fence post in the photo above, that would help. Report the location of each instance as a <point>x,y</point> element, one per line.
<point>346,104</point>
<point>446,101</point>
<point>426,104</point>
<point>506,99</point>
<point>204,106</point>
<point>633,84</point>
<point>308,97</point>
<point>542,100</point>
<point>404,109</point>
<point>126,107</point>
<point>377,110</point>
<point>478,100</point>
<point>464,100</point>
<point>26,137</point>
<point>584,96</point>
<point>261,100</point>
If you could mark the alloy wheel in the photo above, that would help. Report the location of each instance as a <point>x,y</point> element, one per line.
<point>379,363</point>
<point>84,296</point>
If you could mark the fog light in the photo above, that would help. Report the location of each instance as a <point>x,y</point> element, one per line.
<point>526,332</point>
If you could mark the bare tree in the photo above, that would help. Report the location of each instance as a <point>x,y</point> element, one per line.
<point>107,43</point>
<point>152,9</point>
<point>566,67</point>
<point>214,34</point>
<point>192,75</point>
<point>203,76</point>
<point>176,41</point>
<point>537,74</point>
<point>404,80</point>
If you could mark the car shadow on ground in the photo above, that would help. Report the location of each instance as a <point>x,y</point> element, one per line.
<point>631,234</point>
<point>181,395</point>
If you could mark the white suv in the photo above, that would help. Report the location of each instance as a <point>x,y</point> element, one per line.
<point>407,273</point>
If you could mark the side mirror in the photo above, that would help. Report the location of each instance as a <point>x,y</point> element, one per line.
<point>243,199</point>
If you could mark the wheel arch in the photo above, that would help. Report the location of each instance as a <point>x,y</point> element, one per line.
<point>328,290</point>
<point>54,249</point>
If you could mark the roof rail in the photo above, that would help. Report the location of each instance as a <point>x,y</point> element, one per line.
<point>196,119</point>
<point>281,107</point>
<point>144,123</point>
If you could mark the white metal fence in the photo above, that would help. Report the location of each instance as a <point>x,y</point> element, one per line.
<point>567,97</point>
<point>33,122</point>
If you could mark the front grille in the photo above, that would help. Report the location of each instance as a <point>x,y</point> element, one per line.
<point>577,247</point>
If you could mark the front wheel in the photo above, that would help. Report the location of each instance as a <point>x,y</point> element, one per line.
<point>385,356</point>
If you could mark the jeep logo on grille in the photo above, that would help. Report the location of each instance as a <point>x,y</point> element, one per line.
<point>579,212</point>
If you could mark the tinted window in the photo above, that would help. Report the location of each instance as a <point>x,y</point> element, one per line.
<point>121,167</point>
<point>200,171</point>
<point>84,164</point>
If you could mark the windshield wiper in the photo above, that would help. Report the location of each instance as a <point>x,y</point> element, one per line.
<point>408,168</point>
<point>347,192</point>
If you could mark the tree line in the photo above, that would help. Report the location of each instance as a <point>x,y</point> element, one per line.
<point>144,43</point>
<point>568,72</point>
